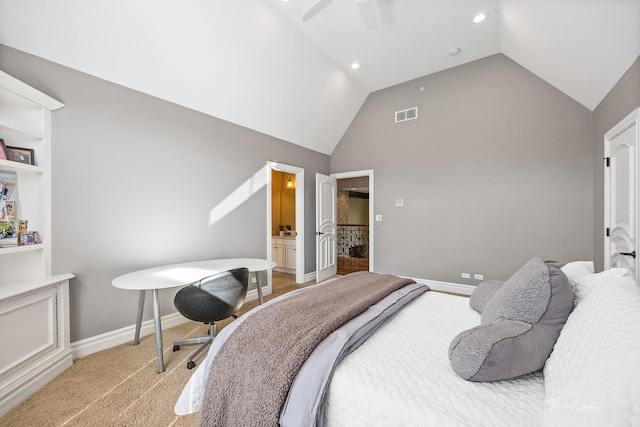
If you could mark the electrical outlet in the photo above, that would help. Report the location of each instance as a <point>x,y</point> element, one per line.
<point>253,280</point>
<point>478,276</point>
<point>378,218</point>
<point>466,276</point>
<point>399,203</point>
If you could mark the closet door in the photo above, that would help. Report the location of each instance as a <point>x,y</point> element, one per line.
<point>621,195</point>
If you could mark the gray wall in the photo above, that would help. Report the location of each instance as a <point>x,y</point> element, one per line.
<point>134,179</point>
<point>619,102</point>
<point>497,169</point>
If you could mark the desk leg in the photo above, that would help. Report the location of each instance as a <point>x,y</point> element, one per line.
<point>258,287</point>
<point>136,337</point>
<point>156,318</point>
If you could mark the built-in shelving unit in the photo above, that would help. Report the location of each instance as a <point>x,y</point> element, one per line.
<point>34,305</point>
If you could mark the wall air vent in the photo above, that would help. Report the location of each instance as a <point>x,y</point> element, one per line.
<point>408,114</point>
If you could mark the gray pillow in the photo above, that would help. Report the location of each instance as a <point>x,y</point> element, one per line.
<point>519,327</point>
<point>483,293</point>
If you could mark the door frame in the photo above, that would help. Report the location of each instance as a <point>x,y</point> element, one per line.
<point>360,174</point>
<point>300,225</point>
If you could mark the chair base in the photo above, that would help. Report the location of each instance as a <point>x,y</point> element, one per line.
<point>205,341</point>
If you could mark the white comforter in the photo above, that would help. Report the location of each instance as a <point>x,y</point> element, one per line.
<point>402,377</point>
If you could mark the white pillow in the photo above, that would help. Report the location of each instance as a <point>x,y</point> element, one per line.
<point>584,285</point>
<point>593,374</point>
<point>576,269</point>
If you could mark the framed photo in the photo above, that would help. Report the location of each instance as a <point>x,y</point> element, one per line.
<point>29,238</point>
<point>22,155</point>
<point>3,150</point>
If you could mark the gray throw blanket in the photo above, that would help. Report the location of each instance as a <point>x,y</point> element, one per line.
<point>252,372</point>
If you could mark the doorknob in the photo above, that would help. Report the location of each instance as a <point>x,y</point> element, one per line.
<point>631,254</point>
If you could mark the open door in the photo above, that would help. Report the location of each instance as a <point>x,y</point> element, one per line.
<point>620,190</point>
<point>326,243</point>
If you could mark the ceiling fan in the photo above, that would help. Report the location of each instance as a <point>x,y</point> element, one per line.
<point>366,8</point>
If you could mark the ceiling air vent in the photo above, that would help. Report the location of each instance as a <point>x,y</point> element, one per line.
<point>404,115</point>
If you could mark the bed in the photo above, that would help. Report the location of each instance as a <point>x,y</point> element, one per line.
<point>402,374</point>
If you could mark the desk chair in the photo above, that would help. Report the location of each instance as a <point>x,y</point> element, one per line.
<point>209,300</point>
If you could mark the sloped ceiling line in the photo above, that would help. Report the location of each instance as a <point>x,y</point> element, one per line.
<point>257,64</point>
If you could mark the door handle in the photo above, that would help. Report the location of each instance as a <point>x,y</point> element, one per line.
<point>631,254</point>
<point>318,233</point>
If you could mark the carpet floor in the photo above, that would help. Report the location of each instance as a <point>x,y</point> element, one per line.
<point>120,386</point>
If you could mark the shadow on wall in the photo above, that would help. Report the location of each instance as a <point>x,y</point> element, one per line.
<point>239,196</point>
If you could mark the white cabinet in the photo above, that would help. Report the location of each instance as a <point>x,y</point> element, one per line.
<point>34,306</point>
<point>279,253</point>
<point>290,256</point>
<point>284,254</point>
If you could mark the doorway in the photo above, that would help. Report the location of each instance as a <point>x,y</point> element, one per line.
<point>354,229</point>
<point>285,210</point>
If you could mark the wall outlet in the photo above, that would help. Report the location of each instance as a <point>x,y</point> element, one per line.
<point>399,203</point>
<point>253,280</point>
<point>466,276</point>
<point>478,276</point>
<point>378,218</point>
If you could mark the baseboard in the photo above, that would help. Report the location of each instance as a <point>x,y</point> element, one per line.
<point>24,382</point>
<point>310,277</point>
<point>252,295</point>
<point>455,288</point>
<point>124,335</point>
<point>285,270</point>
<point>107,340</point>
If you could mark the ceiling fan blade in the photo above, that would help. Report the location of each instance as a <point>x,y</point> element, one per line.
<point>317,8</point>
<point>368,14</point>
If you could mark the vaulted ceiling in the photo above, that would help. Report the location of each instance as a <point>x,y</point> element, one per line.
<point>259,65</point>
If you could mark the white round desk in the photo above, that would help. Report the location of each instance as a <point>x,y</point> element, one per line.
<point>170,276</point>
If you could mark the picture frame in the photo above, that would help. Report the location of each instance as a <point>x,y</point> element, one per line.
<point>21,155</point>
<point>3,150</point>
<point>29,238</point>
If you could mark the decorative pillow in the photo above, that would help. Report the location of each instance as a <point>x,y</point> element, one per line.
<point>483,293</point>
<point>519,326</point>
<point>592,377</point>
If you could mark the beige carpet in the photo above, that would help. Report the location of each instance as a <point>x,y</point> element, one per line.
<point>120,386</point>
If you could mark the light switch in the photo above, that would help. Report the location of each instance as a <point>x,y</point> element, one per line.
<point>378,217</point>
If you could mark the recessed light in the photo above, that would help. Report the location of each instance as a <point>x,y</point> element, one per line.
<point>480,17</point>
<point>355,66</point>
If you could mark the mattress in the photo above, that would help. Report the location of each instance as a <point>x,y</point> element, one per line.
<point>402,376</point>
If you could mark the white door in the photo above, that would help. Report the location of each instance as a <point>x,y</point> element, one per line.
<point>326,210</point>
<point>621,199</point>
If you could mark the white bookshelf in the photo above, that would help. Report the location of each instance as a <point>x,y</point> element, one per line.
<point>34,305</point>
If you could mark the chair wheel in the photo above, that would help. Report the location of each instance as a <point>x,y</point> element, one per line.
<point>191,364</point>
<point>176,347</point>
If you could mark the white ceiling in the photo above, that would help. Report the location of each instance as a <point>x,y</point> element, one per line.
<point>582,47</point>
<point>256,64</point>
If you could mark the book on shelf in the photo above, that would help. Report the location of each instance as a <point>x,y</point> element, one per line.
<point>8,234</point>
<point>8,182</point>
<point>8,209</point>
<point>8,225</point>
